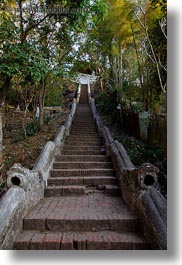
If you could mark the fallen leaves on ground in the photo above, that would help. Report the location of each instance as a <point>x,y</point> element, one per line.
<point>25,151</point>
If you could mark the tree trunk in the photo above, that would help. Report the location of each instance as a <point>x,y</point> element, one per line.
<point>1,139</point>
<point>24,120</point>
<point>41,107</point>
<point>120,73</point>
<point>41,102</point>
<point>138,61</point>
<point>4,89</point>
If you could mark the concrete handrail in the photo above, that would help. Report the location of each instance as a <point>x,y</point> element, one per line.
<point>45,160</point>
<point>139,186</point>
<point>107,137</point>
<point>78,93</point>
<point>89,92</point>
<point>73,108</point>
<point>11,212</point>
<point>26,187</point>
<point>59,139</point>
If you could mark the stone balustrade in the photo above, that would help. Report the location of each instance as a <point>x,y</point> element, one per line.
<point>26,187</point>
<point>139,186</point>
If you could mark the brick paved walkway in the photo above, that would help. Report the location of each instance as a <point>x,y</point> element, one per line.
<point>83,207</point>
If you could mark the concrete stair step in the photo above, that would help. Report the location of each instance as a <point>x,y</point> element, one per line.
<point>85,124</point>
<point>87,116</point>
<point>86,120</point>
<point>82,125</point>
<point>82,172</point>
<point>83,129</point>
<point>84,110</point>
<point>83,142</point>
<point>82,222</point>
<point>86,152</point>
<point>82,165</point>
<point>82,158</point>
<point>84,138</point>
<point>110,189</point>
<point>89,180</point>
<point>104,240</point>
<point>83,134</point>
<point>82,147</point>
<point>107,189</point>
<point>79,124</point>
<point>64,190</point>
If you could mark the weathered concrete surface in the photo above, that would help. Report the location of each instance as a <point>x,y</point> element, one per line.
<point>30,181</point>
<point>68,124</point>
<point>160,202</point>
<point>73,109</point>
<point>12,211</point>
<point>148,171</point>
<point>22,177</point>
<point>59,139</point>
<point>147,202</point>
<point>78,93</point>
<point>26,190</point>
<point>154,219</point>
<point>45,160</point>
<point>107,138</point>
<point>93,108</point>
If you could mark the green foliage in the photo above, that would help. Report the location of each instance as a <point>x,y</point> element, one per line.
<point>18,137</point>
<point>148,153</point>
<point>142,153</point>
<point>107,101</point>
<point>134,149</point>
<point>54,97</point>
<point>54,91</point>
<point>32,128</point>
<point>161,5</point>
<point>34,44</point>
<point>25,61</point>
<point>13,97</point>
<point>152,153</point>
<point>135,107</point>
<point>9,162</point>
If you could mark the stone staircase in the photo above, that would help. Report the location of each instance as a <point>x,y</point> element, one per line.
<point>83,207</point>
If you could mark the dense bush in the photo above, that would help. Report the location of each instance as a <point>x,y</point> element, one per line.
<point>142,153</point>
<point>106,102</point>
